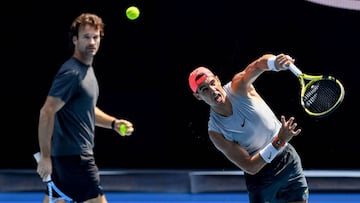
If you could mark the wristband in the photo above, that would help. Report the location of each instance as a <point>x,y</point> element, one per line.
<point>271,64</point>
<point>268,153</point>
<point>113,124</point>
<point>279,142</point>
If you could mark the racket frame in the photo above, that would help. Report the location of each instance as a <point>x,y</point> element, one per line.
<point>312,79</point>
<point>51,186</point>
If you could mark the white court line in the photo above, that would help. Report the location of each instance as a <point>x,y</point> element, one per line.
<point>308,173</point>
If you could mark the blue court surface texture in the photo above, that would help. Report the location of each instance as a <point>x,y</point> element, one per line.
<point>118,197</point>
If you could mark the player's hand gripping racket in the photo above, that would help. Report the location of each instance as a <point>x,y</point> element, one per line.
<point>320,95</point>
<point>52,187</point>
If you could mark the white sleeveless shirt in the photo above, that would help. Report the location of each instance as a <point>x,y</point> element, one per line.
<point>252,125</point>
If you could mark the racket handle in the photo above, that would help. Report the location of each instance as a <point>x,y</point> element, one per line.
<point>37,158</point>
<point>295,70</point>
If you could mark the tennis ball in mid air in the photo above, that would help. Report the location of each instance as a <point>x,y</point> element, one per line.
<point>132,12</point>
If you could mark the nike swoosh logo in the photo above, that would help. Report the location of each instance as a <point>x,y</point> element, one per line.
<point>270,154</point>
<point>243,124</point>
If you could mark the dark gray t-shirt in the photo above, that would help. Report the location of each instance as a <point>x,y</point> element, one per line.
<point>75,83</point>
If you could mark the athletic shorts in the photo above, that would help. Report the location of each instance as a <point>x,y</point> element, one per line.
<point>282,180</point>
<point>77,176</point>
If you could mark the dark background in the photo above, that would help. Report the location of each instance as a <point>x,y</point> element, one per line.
<point>143,65</point>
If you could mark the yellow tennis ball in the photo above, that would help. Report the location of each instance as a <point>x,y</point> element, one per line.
<point>123,129</point>
<point>132,12</point>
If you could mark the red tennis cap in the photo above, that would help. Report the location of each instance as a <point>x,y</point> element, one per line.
<point>198,76</point>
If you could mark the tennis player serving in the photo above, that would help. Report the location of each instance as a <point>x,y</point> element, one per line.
<point>244,128</point>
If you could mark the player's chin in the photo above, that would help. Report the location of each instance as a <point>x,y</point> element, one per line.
<point>92,53</point>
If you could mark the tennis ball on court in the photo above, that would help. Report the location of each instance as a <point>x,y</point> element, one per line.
<point>123,129</point>
<point>132,12</point>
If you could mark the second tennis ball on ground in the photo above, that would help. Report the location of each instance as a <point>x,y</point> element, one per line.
<point>122,129</point>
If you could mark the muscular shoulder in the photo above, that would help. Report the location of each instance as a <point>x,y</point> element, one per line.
<point>242,81</point>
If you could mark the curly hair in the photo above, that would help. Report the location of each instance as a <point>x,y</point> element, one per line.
<point>86,19</point>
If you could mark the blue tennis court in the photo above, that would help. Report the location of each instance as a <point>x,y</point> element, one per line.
<point>118,197</point>
<point>181,186</point>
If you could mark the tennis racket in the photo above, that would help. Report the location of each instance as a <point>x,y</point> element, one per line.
<point>320,95</point>
<point>52,187</point>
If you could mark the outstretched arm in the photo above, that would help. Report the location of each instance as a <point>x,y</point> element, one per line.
<point>105,120</point>
<point>242,81</point>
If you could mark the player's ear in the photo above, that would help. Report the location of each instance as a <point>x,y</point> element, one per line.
<point>74,39</point>
<point>196,95</point>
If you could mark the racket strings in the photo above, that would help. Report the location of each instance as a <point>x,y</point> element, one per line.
<point>322,96</point>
